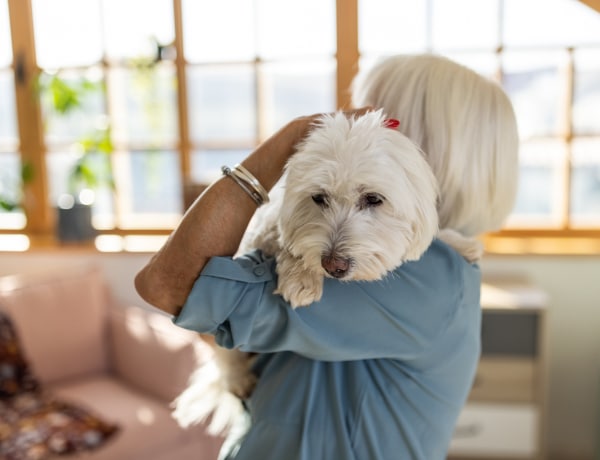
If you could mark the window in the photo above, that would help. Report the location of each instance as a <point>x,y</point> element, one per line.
<point>158,101</point>
<point>10,165</point>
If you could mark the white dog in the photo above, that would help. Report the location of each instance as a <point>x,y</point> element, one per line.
<point>357,200</point>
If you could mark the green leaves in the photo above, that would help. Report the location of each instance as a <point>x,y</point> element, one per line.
<point>66,96</point>
<point>62,95</point>
<point>10,200</point>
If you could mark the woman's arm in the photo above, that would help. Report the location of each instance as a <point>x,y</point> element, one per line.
<point>398,317</point>
<point>215,223</point>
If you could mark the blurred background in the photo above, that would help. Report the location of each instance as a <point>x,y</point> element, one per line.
<point>125,108</point>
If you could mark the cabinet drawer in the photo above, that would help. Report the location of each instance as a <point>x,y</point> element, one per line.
<point>504,380</point>
<point>500,430</point>
<point>506,333</point>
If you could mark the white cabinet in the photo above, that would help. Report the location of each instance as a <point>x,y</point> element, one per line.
<point>504,416</point>
<point>506,430</point>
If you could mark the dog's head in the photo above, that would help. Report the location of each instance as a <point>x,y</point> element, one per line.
<point>359,199</point>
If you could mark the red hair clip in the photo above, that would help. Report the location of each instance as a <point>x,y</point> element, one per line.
<point>391,123</point>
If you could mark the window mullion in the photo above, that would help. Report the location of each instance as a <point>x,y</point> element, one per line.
<point>182,96</point>
<point>568,138</point>
<point>347,49</point>
<point>29,117</point>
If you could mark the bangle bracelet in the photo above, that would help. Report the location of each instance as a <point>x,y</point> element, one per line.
<point>246,176</point>
<point>248,183</point>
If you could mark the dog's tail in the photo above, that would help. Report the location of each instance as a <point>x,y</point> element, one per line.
<point>207,399</point>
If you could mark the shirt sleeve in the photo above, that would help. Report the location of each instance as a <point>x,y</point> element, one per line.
<point>396,317</point>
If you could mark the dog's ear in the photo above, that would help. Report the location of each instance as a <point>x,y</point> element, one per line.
<point>421,240</point>
<point>424,230</point>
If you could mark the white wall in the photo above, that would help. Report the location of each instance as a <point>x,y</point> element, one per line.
<point>573,285</point>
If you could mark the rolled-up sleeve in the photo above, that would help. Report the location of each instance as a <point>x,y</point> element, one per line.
<point>396,317</point>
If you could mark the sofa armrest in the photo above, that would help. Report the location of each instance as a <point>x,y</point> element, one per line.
<point>60,316</point>
<point>152,354</point>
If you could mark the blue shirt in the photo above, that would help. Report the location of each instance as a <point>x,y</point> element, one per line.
<point>374,371</point>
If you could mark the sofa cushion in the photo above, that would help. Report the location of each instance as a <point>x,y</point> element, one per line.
<point>15,374</point>
<point>148,430</point>
<point>34,426</point>
<point>151,353</point>
<point>60,318</point>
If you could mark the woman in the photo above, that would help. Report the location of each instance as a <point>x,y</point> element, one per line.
<point>379,370</point>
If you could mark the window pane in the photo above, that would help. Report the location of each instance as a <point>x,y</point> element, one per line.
<point>67,32</point>
<point>149,187</point>
<point>218,31</point>
<point>282,28</point>
<point>10,191</point>
<point>292,90</point>
<point>586,95</point>
<point>5,40</point>
<point>206,164</point>
<point>549,22</point>
<point>585,183</point>
<point>486,64</point>
<point>222,103</point>
<point>536,86</point>
<point>130,35</point>
<point>390,27</point>
<point>73,106</point>
<point>8,117</point>
<point>144,105</point>
<point>60,165</point>
<point>465,24</point>
<point>540,197</point>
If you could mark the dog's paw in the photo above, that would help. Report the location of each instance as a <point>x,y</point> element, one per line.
<point>296,284</point>
<point>301,291</point>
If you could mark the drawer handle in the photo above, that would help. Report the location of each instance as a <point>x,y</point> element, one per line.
<point>468,431</point>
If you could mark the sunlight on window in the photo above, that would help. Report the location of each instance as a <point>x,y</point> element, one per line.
<point>389,27</point>
<point>557,23</point>
<point>14,243</point>
<point>5,40</point>
<point>62,43</point>
<point>251,66</point>
<point>540,197</point>
<point>130,243</point>
<point>213,34</point>
<point>550,71</point>
<point>585,183</point>
<point>453,24</point>
<point>129,33</point>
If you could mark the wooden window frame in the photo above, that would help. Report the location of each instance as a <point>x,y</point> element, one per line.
<point>40,218</point>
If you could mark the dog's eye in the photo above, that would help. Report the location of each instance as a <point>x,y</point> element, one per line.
<point>370,200</point>
<point>320,199</point>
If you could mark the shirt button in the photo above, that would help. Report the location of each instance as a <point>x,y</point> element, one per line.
<point>259,271</point>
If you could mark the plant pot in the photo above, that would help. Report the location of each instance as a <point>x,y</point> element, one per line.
<point>75,223</point>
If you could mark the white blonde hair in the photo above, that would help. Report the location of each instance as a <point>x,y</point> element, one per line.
<point>465,125</point>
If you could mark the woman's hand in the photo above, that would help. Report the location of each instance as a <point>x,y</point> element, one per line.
<point>215,223</point>
<point>268,160</point>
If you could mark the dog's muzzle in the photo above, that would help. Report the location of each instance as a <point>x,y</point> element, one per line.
<point>337,267</point>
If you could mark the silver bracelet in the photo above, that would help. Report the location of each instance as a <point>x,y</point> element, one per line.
<point>253,181</point>
<point>248,183</point>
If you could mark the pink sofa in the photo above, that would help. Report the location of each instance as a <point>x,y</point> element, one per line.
<point>125,364</point>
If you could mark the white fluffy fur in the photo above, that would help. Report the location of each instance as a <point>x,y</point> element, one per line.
<point>356,191</point>
<point>463,122</point>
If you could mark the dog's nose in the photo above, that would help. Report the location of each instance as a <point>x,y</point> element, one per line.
<point>335,266</point>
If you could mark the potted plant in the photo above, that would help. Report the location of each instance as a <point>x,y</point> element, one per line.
<point>92,167</point>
